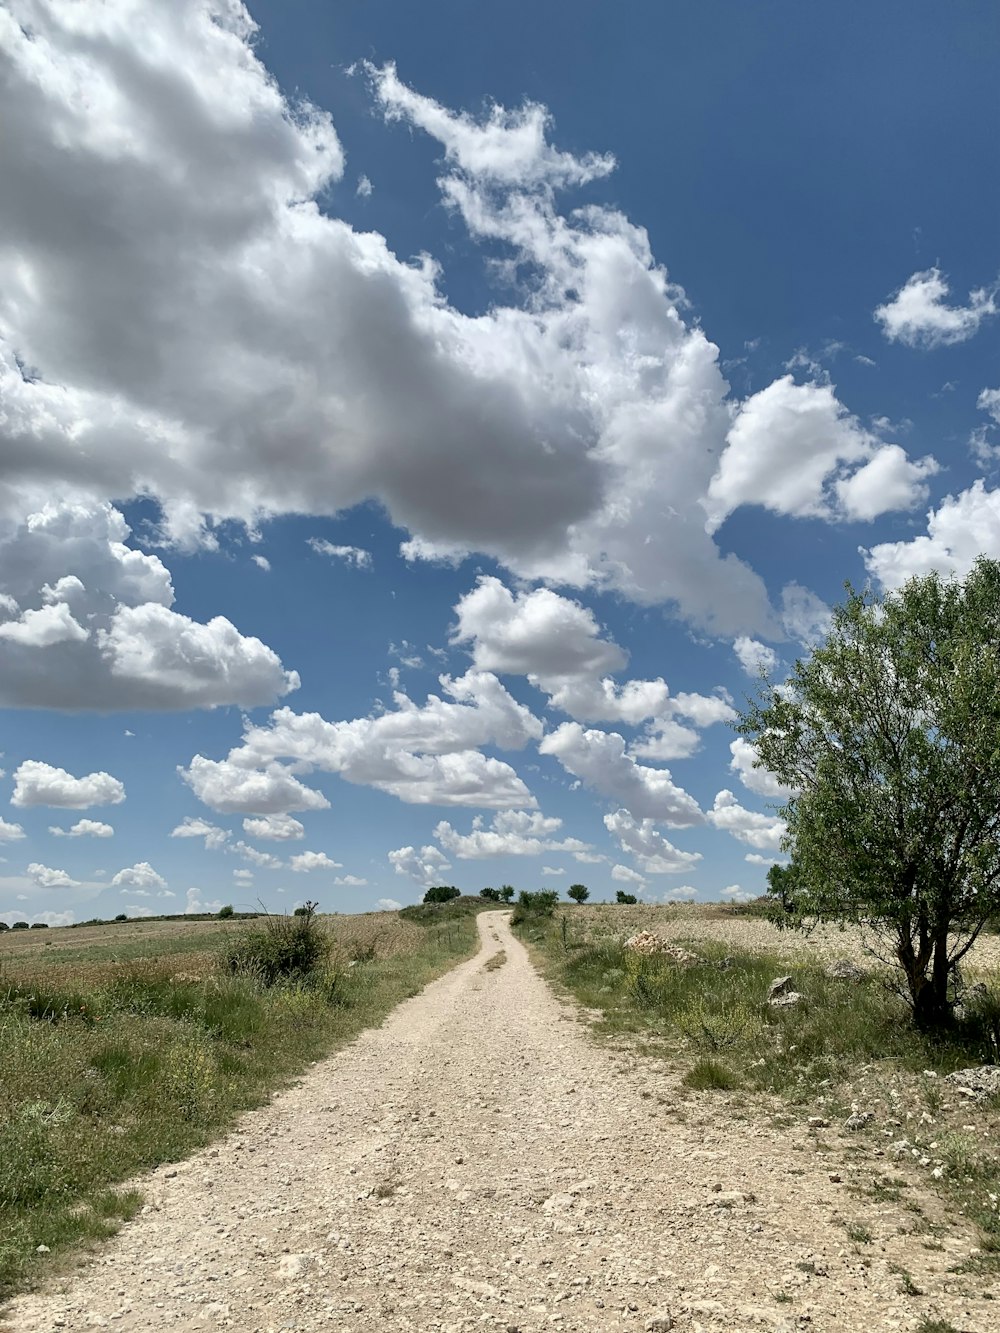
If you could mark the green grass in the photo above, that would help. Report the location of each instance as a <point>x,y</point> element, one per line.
<point>709,1073</point>
<point>111,1069</point>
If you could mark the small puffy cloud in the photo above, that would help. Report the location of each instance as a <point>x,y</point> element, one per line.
<point>11,832</point>
<point>108,638</point>
<point>888,481</point>
<point>759,780</point>
<point>192,827</point>
<point>764,832</point>
<point>511,833</point>
<point>264,860</point>
<point>626,875</point>
<point>83,828</point>
<point>424,865</point>
<point>683,893</point>
<point>963,527</point>
<point>37,783</point>
<point>137,910</point>
<point>735,893</point>
<point>307,861</point>
<point>350,881</point>
<point>244,876</point>
<point>46,918</point>
<point>754,656</point>
<point>796,450</point>
<point>232,788</point>
<point>989,401</point>
<point>48,878</point>
<point>139,876</point>
<point>919,314</point>
<point>535,634</point>
<point>196,905</point>
<point>804,616</point>
<point>388,905</point>
<point>351,555</point>
<point>364,187</point>
<point>262,562</point>
<point>666,739</point>
<point>553,870</point>
<point>276,828</point>
<point>705,709</point>
<point>557,643</point>
<point>655,854</point>
<point>601,761</point>
<point>756,859</point>
<point>424,754</point>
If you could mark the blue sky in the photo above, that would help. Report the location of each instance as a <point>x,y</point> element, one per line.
<point>420,423</point>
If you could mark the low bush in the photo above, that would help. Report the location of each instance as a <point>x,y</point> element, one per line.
<point>280,949</point>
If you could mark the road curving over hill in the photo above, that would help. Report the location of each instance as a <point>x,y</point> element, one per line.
<point>479,1162</point>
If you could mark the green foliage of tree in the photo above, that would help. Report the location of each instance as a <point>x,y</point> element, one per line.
<point>39,925</point>
<point>122,916</point>
<point>506,892</point>
<point>579,893</point>
<point>442,893</point>
<point>889,736</point>
<point>4,926</point>
<point>20,925</point>
<point>226,912</point>
<point>491,895</point>
<point>626,899</point>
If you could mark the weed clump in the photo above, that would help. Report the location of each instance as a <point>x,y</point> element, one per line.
<point>280,949</point>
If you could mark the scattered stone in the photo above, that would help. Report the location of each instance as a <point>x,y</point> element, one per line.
<point>817,1122</point>
<point>648,943</point>
<point>843,969</point>
<point>42,1249</point>
<point>780,994</point>
<point>859,1120</point>
<point>978,1083</point>
<point>659,1323</point>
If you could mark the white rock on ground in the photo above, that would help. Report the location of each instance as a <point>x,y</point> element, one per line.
<point>479,1163</point>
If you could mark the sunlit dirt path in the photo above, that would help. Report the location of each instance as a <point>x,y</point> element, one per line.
<point>479,1162</point>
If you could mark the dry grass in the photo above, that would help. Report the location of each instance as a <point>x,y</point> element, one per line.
<point>718,924</point>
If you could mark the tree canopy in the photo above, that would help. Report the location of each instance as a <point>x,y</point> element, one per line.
<point>888,738</point>
<point>442,893</point>
<point>579,893</point>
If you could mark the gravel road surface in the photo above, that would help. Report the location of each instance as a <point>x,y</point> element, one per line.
<point>479,1162</point>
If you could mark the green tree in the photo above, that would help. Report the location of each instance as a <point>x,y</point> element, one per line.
<point>579,893</point>
<point>506,892</point>
<point>442,893</point>
<point>491,895</point>
<point>888,736</point>
<point>226,912</point>
<point>626,899</point>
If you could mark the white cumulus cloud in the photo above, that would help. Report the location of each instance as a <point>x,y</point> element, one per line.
<point>307,861</point>
<point>38,783</point>
<point>919,314</point>
<point>83,828</point>
<point>192,827</point>
<point>764,832</point>
<point>425,864</point>
<point>511,833</point>
<point>276,828</point>
<point>48,878</point>
<point>138,876</point>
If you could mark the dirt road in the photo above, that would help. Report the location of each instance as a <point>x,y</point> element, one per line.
<point>480,1163</point>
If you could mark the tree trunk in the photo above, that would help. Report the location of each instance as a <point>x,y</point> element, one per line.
<point>926,970</point>
<point>931,1010</point>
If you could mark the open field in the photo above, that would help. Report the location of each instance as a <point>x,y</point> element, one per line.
<point>722,925</point>
<point>128,1045</point>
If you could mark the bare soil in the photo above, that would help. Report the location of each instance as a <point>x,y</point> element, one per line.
<point>479,1162</point>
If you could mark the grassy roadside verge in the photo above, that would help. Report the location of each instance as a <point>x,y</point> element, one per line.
<point>847,1046</point>
<point>111,1066</point>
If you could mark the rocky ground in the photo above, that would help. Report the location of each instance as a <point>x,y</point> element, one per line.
<point>480,1163</point>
